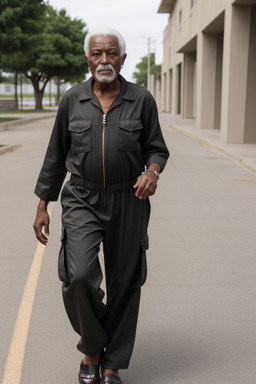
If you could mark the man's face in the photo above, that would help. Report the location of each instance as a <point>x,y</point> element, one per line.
<point>104,58</point>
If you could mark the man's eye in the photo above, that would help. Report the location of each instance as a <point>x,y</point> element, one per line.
<point>96,54</point>
<point>112,53</point>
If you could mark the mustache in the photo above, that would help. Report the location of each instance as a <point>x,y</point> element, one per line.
<point>102,67</point>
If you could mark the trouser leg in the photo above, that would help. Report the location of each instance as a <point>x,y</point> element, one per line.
<point>123,229</point>
<point>82,234</point>
<point>125,244</point>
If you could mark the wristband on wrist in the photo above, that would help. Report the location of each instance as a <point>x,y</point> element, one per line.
<point>154,171</point>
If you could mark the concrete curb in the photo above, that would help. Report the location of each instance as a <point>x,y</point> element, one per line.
<point>9,148</point>
<point>249,165</point>
<point>11,124</point>
<point>14,123</point>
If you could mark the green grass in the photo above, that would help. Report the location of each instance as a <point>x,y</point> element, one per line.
<point>31,95</point>
<point>5,119</point>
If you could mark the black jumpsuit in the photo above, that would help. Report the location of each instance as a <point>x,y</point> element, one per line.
<point>104,153</point>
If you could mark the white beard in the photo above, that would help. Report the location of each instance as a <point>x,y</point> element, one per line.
<point>105,78</point>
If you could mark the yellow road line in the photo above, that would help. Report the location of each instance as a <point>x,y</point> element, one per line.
<point>15,358</point>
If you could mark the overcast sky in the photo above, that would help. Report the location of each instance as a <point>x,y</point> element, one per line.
<point>137,20</point>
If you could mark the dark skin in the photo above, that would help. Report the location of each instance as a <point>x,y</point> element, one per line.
<point>102,50</point>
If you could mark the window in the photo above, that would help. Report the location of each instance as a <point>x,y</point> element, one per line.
<point>180,17</point>
<point>7,89</point>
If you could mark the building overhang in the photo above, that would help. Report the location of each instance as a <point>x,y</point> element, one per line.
<point>189,47</point>
<point>244,2</point>
<point>166,6</point>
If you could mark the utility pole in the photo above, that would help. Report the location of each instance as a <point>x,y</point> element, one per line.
<point>148,78</point>
<point>148,71</point>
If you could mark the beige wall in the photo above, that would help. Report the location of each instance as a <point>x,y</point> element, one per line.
<point>209,61</point>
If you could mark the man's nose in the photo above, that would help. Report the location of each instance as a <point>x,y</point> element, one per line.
<point>104,58</point>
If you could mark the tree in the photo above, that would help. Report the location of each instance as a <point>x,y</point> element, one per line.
<point>19,22</point>
<point>141,75</point>
<point>61,52</point>
<point>55,51</point>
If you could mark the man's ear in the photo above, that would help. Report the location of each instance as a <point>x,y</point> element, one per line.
<point>123,58</point>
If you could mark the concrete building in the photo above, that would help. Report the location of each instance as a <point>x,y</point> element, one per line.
<point>209,65</point>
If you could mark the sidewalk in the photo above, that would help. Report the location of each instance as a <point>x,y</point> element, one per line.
<point>24,119</point>
<point>242,154</point>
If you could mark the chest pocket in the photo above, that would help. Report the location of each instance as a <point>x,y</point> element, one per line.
<point>81,135</point>
<point>129,134</point>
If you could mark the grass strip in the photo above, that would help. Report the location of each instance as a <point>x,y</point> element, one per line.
<point>5,119</point>
<point>26,111</point>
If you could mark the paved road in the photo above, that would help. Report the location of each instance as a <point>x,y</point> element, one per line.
<point>198,310</point>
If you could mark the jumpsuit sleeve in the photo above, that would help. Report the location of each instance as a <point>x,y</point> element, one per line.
<point>53,171</point>
<point>154,149</point>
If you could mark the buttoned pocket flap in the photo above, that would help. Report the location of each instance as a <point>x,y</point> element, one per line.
<point>78,126</point>
<point>130,125</point>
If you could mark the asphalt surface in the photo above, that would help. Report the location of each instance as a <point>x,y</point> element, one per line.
<point>198,308</point>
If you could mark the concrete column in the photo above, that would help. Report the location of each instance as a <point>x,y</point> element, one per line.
<point>235,67</point>
<point>250,112</point>
<point>218,83</point>
<point>177,89</point>
<point>158,93</point>
<point>199,64</point>
<point>189,79</point>
<point>167,92</point>
<point>174,89</point>
<point>170,92</point>
<point>206,59</point>
<point>164,92</point>
<point>163,77</point>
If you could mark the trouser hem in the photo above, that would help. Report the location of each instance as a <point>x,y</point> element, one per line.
<point>89,353</point>
<point>115,367</point>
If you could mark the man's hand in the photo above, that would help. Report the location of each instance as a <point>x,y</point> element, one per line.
<point>146,185</point>
<point>42,223</point>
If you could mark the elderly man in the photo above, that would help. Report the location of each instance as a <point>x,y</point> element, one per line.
<point>107,136</point>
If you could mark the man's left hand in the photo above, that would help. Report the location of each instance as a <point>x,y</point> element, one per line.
<point>146,185</point>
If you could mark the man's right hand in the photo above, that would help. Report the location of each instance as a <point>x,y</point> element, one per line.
<point>42,223</point>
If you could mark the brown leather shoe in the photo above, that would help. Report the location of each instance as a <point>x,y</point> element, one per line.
<point>89,374</point>
<point>110,379</point>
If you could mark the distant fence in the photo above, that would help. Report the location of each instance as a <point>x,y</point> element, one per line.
<point>8,104</point>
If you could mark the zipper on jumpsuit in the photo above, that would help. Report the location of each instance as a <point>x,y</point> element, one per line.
<point>104,123</point>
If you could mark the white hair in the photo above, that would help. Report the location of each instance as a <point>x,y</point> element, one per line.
<point>105,31</point>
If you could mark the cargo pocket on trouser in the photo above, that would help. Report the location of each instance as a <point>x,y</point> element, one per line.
<point>62,259</point>
<point>141,273</point>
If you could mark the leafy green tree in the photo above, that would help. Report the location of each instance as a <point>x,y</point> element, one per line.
<point>55,51</point>
<point>140,76</point>
<point>61,52</point>
<point>19,28</point>
<point>19,24</point>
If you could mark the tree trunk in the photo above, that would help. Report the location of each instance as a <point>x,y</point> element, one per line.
<point>21,93</point>
<point>57,81</point>
<point>38,93</point>
<point>38,99</point>
<point>16,90</point>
